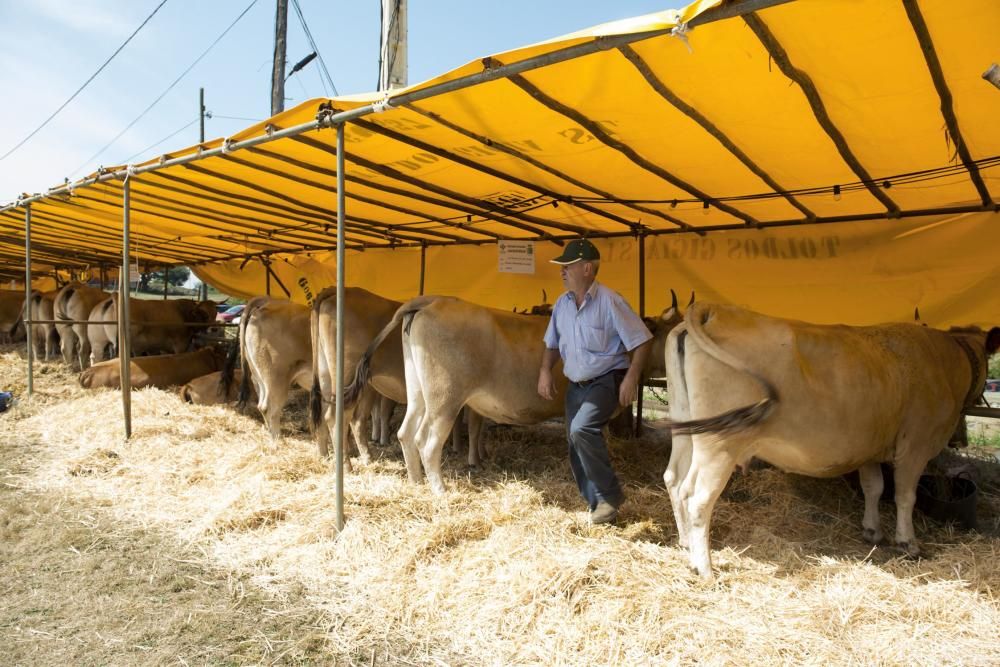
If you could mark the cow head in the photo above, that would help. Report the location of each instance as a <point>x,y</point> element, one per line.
<point>660,327</point>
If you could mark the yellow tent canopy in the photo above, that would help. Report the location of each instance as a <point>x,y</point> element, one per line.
<point>833,160</point>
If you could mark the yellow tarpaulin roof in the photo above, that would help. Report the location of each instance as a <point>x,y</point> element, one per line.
<point>799,113</point>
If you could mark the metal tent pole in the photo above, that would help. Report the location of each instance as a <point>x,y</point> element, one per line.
<point>338,437</point>
<point>27,297</point>
<point>423,266</point>
<point>124,321</point>
<point>166,274</point>
<point>637,429</point>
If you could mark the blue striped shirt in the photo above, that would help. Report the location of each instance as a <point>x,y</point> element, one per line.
<point>594,338</point>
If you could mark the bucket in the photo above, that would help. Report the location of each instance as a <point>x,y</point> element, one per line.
<point>948,499</point>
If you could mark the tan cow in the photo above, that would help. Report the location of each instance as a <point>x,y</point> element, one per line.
<point>11,313</point>
<point>211,390</point>
<point>460,354</point>
<point>365,314</point>
<point>814,400</point>
<point>46,335</point>
<point>76,301</point>
<point>156,325</point>
<point>276,354</point>
<point>164,370</point>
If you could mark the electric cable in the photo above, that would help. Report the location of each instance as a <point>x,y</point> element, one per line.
<point>85,83</point>
<point>169,88</point>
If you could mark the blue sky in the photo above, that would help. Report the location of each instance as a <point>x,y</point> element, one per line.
<point>48,48</point>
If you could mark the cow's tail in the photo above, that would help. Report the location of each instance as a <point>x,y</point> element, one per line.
<point>251,308</point>
<point>229,369</point>
<point>737,418</point>
<point>362,373</point>
<point>316,392</point>
<point>61,305</point>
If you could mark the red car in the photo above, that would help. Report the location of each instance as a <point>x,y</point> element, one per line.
<point>228,314</point>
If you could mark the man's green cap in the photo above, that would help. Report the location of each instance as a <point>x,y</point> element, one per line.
<point>580,250</point>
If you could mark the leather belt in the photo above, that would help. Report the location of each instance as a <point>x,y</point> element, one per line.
<point>584,383</point>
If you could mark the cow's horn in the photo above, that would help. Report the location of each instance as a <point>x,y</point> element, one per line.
<point>545,297</point>
<point>692,299</point>
<point>916,313</point>
<point>673,298</point>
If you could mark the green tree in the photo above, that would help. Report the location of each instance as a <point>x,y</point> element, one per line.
<point>177,275</point>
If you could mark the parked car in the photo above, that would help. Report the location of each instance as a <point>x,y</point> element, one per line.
<point>230,313</point>
<point>992,385</point>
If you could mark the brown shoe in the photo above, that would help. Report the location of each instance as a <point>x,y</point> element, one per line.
<point>603,513</point>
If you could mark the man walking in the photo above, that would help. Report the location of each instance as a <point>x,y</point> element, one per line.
<point>592,328</point>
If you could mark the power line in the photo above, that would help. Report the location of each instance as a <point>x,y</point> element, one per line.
<point>169,88</point>
<point>85,83</point>
<point>169,136</point>
<point>312,43</point>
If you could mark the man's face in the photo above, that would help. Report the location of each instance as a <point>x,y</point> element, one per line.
<point>575,276</point>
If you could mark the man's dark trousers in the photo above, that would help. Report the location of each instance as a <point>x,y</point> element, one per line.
<point>589,406</point>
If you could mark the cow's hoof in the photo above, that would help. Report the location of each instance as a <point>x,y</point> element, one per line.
<point>911,549</point>
<point>872,536</point>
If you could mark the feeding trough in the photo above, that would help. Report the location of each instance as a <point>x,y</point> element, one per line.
<point>948,499</point>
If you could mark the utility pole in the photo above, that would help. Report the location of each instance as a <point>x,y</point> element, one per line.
<point>392,55</point>
<point>203,291</point>
<point>280,46</point>
<point>201,115</point>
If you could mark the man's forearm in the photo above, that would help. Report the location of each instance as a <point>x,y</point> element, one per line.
<point>549,359</point>
<point>639,357</point>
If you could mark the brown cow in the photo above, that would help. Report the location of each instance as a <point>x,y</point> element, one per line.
<point>46,335</point>
<point>365,313</point>
<point>211,390</point>
<point>276,354</point>
<point>76,301</point>
<point>11,313</point>
<point>460,354</point>
<point>156,325</point>
<point>815,400</point>
<point>164,370</point>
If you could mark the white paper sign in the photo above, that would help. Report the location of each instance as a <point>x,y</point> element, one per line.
<point>516,256</point>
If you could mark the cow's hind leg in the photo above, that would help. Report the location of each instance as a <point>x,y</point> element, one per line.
<point>711,468</point>
<point>871,485</point>
<point>906,475</point>
<point>674,478</point>
<point>385,409</point>
<point>359,413</point>
<point>432,436</point>
<point>477,446</point>
<point>415,407</point>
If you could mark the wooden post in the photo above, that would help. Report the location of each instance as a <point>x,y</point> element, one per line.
<point>278,68</point>
<point>124,330</point>
<point>27,296</point>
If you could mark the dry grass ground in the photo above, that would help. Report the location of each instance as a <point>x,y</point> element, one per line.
<point>200,542</point>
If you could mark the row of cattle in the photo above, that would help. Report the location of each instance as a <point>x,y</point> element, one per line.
<point>81,322</point>
<point>818,400</point>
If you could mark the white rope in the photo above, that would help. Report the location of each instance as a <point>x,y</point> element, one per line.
<point>382,105</point>
<point>129,171</point>
<point>680,31</point>
<point>226,150</point>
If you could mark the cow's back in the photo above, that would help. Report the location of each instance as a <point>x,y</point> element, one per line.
<point>846,395</point>
<point>488,358</point>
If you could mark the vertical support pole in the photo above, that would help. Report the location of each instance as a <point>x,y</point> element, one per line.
<point>166,274</point>
<point>637,429</point>
<point>124,320</point>
<point>423,266</point>
<point>27,298</point>
<point>338,437</point>
<point>267,275</point>
<point>104,278</point>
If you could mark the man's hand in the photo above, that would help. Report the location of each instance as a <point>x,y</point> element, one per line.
<point>546,387</point>
<point>629,390</point>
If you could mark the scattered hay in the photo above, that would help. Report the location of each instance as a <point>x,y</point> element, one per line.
<point>504,568</point>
